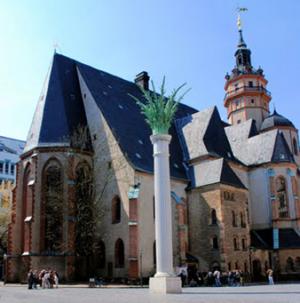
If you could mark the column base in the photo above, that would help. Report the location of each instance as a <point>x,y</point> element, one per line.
<point>165,285</point>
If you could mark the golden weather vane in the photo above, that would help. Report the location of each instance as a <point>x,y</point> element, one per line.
<point>239,21</point>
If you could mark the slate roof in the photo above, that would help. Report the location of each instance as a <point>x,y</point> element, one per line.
<point>275,120</point>
<point>60,110</point>
<point>288,238</point>
<point>216,171</point>
<point>203,134</point>
<point>112,95</point>
<point>255,149</point>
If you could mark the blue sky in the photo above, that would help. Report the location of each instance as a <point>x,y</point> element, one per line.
<point>189,41</point>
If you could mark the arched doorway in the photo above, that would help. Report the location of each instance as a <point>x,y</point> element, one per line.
<point>257,271</point>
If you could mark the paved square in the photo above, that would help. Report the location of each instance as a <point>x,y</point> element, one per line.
<point>254,294</point>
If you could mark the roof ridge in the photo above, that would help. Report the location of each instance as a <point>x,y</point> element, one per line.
<point>10,138</point>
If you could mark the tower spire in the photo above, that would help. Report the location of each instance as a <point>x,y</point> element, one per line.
<point>241,43</point>
<point>246,94</point>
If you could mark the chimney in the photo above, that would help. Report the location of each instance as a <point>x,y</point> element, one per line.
<point>142,80</point>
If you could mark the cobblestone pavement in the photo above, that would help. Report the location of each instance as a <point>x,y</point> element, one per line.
<point>287,293</point>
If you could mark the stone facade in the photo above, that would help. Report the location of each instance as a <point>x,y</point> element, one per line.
<point>203,228</point>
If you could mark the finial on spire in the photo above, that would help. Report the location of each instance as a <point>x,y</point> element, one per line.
<point>239,21</point>
<point>56,47</point>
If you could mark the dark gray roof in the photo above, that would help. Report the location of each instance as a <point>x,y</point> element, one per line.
<point>263,238</point>
<point>59,111</point>
<point>275,120</point>
<point>213,172</point>
<point>128,125</point>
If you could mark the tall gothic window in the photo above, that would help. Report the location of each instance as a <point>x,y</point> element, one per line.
<point>85,223</point>
<point>233,219</point>
<point>213,217</point>
<point>53,207</point>
<point>116,210</point>
<point>119,254</point>
<point>282,197</point>
<point>235,244</point>
<point>215,243</point>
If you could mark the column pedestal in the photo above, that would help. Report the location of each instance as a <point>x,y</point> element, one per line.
<point>165,285</point>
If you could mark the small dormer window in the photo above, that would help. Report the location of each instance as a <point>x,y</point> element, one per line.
<point>282,156</point>
<point>250,83</point>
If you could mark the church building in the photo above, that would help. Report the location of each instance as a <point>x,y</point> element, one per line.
<point>84,200</point>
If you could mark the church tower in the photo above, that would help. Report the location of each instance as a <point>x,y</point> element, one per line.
<point>246,95</point>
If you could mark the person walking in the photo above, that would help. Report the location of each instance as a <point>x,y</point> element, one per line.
<point>217,275</point>
<point>30,279</point>
<point>270,276</point>
<point>56,279</point>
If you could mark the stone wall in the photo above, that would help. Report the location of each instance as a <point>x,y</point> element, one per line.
<point>224,199</point>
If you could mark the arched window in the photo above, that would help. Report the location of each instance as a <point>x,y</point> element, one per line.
<point>119,254</point>
<point>236,265</point>
<point>242,217</point>
<point>215,243</point>
<point>244,244</point>
<point>53,206</point>
<point>289,264</point>
<point>85,223</point>
<point>281,197</point>
<point>154,253</point>
<point>295,146</point>
<point>233,219</point>
<point>235,244</point>
<point>213,217</point>
<point>116,210</point>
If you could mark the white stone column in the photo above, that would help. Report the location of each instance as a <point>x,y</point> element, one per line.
<point>164,280</point>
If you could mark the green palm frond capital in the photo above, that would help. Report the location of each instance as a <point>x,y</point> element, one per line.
<point>159,110</point>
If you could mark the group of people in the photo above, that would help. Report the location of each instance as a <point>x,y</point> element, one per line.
<point>45,278</point>
<point>215,278</point>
